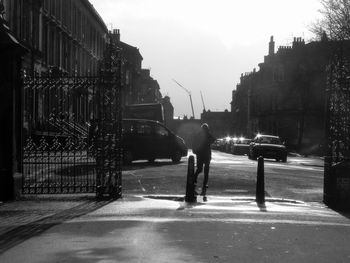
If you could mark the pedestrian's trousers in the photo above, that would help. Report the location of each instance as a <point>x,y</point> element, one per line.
<point>199,169</point>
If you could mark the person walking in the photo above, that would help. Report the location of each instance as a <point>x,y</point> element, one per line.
<point>202,149</point>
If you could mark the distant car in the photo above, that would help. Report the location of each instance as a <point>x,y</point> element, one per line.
<point>228,141</point>
<point>217,145</point>
<point>150,140</point>
<point>267,146</point>
<point>241,146</point>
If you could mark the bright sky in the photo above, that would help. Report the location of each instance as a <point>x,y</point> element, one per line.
<point>205,44</point>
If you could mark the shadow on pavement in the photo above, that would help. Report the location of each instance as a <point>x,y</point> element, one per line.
<point>145,164</point>
<point>20,234</point>
<point>166,197</point>
<point>343,213</point>
<point>183,205</point>
<point>93,255</point>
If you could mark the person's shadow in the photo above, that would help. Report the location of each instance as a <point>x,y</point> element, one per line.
<point>146,164</point>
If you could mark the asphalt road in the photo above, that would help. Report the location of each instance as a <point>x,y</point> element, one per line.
<point>147,225</point>
<point>300,178</point>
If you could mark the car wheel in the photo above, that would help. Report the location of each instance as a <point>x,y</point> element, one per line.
<point>127,157</point>
<point>176,157</point>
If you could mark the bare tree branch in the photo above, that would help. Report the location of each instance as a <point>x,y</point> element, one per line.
<point>336,20</point>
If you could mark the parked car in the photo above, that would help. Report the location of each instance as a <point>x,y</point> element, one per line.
<point>228,141</point>
<point>146,111</point>
<point>150,140</point>
<point>267,146</point>
<point>217,145</point>
<point>241,146</point>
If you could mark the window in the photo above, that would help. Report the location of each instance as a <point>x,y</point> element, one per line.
<point>74,20</point>
<point>52,7</point>
<point>58,5</point>
<point>269,140</point>
<point>26,23</point>
<point>78,24</point>
<point>44,43</point>
<point>128,128</point>
<point>278,73</point>
<point>46,5</point>
<point>127,77</point>
<point>57,59</point>
<point>143,128</point>
<point>36,25</point>
<point>161,131</point>
<point>51,46</point>
<point>64,53</point>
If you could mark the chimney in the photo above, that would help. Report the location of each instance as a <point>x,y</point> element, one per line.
<point>116,35</point>
<point>271,46</point>
<point>298,42</point>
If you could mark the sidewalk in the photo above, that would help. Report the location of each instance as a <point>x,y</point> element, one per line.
<point>308,161</point>
<point>32,215</point>
<point>30,209</point>
<point>165,229</point>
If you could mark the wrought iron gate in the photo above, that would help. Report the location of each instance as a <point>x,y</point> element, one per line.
<point>72,135</point>
<point>337,160</point>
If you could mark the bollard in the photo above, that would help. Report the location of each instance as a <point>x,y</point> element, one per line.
<point>190,194</point>
<point>260,182</point>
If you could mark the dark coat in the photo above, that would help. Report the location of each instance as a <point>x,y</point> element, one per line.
<point>202,145</point>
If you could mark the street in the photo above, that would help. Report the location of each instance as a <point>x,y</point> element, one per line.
<point>93,92</point>
<point>300,178</point>
<point>151,223</point>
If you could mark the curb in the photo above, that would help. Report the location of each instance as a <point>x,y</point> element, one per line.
<point>181,198</point>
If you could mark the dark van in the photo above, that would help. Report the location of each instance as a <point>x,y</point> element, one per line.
<point>150,140</point>
<point>146,111</point>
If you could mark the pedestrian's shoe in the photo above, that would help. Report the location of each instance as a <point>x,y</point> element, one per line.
<point>204,191</point>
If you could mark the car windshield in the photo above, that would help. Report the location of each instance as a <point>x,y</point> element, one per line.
<point>269,140</point>
<point>244,141</point>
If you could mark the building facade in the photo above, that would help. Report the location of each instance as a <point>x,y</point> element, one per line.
<point>220,122</point>
<point>132,67</point>
<point>67,36</point>
<point>168,110</point>
<point>149,89</point>
<point>286,96</point>
<point>138,87</point>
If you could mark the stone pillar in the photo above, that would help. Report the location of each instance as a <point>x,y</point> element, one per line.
<point>10,111</point>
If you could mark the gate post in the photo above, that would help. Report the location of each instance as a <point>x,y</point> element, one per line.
<point>10,111</point>
<point>109,177</point>
<point>337,126</point>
